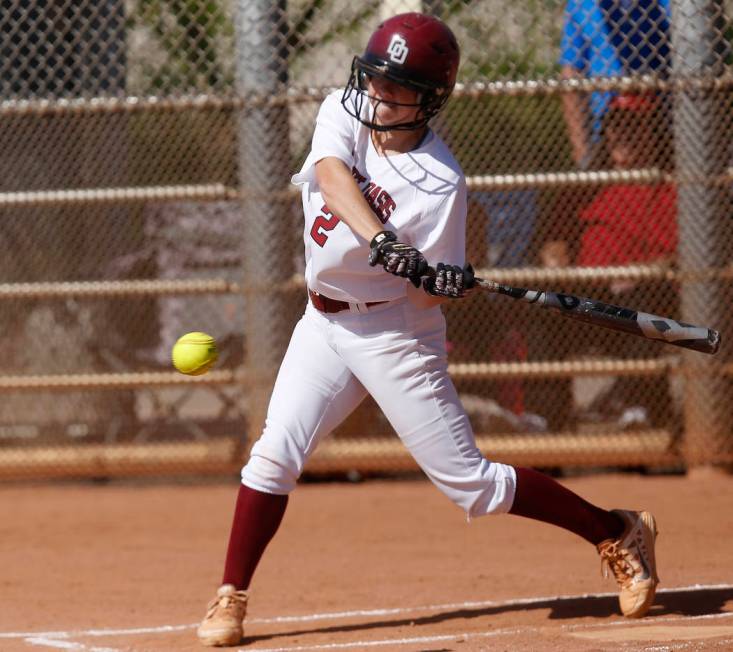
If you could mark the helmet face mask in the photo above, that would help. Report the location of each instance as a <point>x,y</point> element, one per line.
<point>415,51</point>
<point>356,97</point>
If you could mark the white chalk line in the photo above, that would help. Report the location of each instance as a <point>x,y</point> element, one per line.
<point>42,641</point>
<point>686,645</point>
<point>52,636</point>
<point>391,641</point>
<point>465,636</point>
<point>466,605</point>
<point>458,638</point>
<point>158,629</point>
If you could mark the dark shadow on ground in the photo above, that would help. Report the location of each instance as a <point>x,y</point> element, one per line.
<point>682,602</point>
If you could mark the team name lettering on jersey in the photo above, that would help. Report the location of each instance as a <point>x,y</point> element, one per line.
<point>360,178</point>
<point>377,197</point>
<point>379,201</point>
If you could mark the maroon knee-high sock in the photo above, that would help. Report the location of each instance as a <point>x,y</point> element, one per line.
<point>256,519</point>
<point>541,498</point>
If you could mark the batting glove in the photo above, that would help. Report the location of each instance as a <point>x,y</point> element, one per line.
<point>397,258</point>
<point>449,281</point>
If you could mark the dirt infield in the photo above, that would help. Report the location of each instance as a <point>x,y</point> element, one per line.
<point>386,565</point>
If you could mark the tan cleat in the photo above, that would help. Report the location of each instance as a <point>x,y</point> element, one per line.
<point>222,624</point>
<point>631,560</point>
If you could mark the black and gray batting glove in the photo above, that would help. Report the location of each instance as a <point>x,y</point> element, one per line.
<point>397,258</point>
<point>449,281</point>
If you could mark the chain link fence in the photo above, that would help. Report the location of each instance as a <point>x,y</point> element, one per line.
<point>144,186</point>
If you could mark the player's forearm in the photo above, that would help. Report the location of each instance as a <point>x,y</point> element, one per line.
<point>572,108</point>
<point>343,198</point>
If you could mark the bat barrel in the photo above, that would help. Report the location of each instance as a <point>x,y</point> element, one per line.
<point>663,329</point>
<point>653,327</point>
<point>697,338</point>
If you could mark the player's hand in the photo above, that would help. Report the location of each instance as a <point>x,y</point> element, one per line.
<point>397,258</point>
<point>451,281</point>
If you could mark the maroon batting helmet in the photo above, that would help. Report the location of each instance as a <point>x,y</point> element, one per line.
<point>414,50</point>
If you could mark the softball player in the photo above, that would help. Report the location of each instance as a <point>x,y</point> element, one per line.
<point>383,197</point>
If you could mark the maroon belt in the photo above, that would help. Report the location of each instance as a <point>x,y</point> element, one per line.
<point>324,304</point>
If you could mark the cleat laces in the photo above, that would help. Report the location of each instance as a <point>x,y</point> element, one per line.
<point>621,562</point>
<point>232,604</point>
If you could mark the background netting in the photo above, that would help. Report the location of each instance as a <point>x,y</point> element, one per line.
<point>144,186</point>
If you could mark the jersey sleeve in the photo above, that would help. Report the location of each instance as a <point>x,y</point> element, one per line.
<point>334,135</point>
<point>442,239</point>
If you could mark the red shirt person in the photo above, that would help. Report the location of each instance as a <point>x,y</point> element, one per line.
<point>629,222</point>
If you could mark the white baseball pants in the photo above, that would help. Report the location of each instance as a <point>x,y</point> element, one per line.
<point>396,353</point>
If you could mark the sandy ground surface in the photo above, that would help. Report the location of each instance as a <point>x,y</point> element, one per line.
<point>379,565</point>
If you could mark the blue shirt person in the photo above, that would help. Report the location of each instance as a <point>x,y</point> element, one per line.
<point>608,38</point>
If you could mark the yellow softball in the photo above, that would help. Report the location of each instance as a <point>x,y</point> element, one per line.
<point>194,353</point>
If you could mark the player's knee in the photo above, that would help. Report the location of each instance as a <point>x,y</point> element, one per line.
<point>489,490</point>
<point>498,496</point>
<point>275,464</point>
<point>269,476</point>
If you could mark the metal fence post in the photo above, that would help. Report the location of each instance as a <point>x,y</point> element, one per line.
<point>704,230</point>
<point>264,171</point>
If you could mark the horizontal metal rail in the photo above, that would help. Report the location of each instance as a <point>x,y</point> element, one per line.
<point>129,380</point>
<point>110,289</point>
<point>537,277</point>
<point>127,105</point>
<point>608,448</point>
<point>541,276</point>
<point>627,84</point>
<point>562,369</point>
<point>573,178</point>
<point>601,275</point>
<point>590,178</point>
<point>459,371</point>
<point>364,454</point>
<point>221,192</point>
<point>202,192</point>
<point>299,95</point>
<point>220,455</point>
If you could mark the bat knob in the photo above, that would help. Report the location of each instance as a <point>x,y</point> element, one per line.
<point>469,277</point>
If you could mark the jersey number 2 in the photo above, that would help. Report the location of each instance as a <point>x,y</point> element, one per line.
<point>326,222</point>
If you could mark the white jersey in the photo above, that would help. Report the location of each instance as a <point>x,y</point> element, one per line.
<point>394,351</point>
<point>419,195</point>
